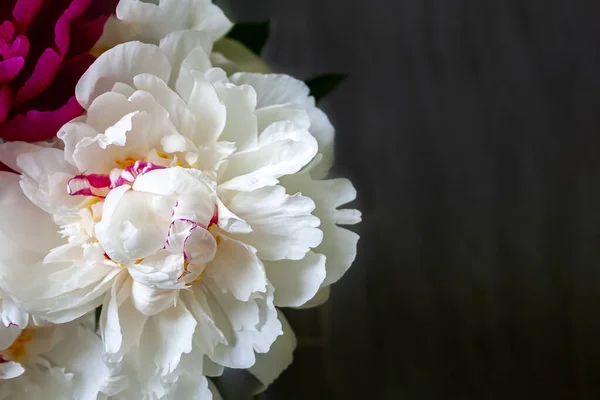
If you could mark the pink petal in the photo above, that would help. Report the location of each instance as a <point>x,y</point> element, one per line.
<point>24,12</point>
<point>7,31</point>
<point>20,47</point>
<point>37,125</point>
<point>5,102</point>
<point>62,28</point>
<point>42,76</point>
<point>10,68</point>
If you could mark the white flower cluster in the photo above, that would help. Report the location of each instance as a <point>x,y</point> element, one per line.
<point>187,202</point>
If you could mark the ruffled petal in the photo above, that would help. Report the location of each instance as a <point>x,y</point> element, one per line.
<point>121,64</point>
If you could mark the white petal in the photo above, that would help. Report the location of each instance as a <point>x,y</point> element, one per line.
<point>80,353</point>
<point>196,63</point>
<point>247,326</point>
<point>182,117</point>
<point>320,298</point>
<point>237,269</point>
<point>12,314</point>
<point>230,222</point>
<point>282,225</point>
<point>296,282</point>
<point>275,89</point>
<point>149,301</point>
<point>283,149</point>
<point>209,110</point>
<point>178,45</point>
<point>25,226</point>
<point>10,370</point>
<point>339,244</point>
<point>174,331</point>
<point>121,324</point>
<point>282,112</point>
<point>8,335</point>
<point>270,365</point>
<point>324,132</point>
<point>241,125</point>
<point>207,335</point>
<point>121,64</point>
<point>134,225</point>
<point>10,151</point>
<point>108,109</point>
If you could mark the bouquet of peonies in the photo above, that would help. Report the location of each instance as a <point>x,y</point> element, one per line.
<point>162,194</point>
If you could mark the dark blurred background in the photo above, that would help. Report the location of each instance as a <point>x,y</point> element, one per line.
<point>471,130</point>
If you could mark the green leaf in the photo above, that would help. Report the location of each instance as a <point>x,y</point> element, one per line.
<point>253,35</point>
<point>321,86</point>
<point>97,314</point>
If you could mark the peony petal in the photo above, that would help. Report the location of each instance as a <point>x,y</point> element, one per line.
<point>121,64</point>
<point>320,298</point>
<point>247,326</point>
<point>24,12</point>
<point>10,68</point>
<point>273,89</point>
<point>240,101</point>
<point>12,314</point>
<point>211,114</point>
<point>183,119</point>
<point>283,149</point>
<point>282,225</point>
<point>296,282</point>
<point>8,334</point>
<point>9,370</point>
<point>178,45</point>
<point>237,269</point>
<point>80,353</point>
<point>270,365</point>
<point>150,301</point>
<point>24,225</point>
<point>339,245</point>
<point>174,329</point>
<point>195,64</point>
<point>10,151</point>
<point>39,125</point>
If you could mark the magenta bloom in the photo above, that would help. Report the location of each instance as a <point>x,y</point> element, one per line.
<point>44,49</point>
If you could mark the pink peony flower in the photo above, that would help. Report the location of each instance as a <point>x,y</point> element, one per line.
<point>44,49</point>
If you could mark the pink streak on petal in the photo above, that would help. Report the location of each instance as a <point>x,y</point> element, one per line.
<point>10,68</point>
<point>13,324</point>
<point>39,125</point>
<point>215,219</point>
<point>42,76</point>
<point>95,185</point>
<point>5,102</point>
<point>132,172</point>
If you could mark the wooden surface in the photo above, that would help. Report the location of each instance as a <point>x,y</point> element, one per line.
<point>472,132</point>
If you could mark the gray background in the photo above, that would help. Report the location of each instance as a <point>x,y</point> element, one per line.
<point>471,130</point>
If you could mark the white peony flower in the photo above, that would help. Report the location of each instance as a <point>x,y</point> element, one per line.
<point>51,362</point>
<point>189,210</point>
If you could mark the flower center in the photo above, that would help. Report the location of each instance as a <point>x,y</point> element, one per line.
<point>18,349</point>
<point>147,225</point>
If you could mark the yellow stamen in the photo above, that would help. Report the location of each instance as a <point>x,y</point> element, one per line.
<point>17,351</point>
<point>127,162</point>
